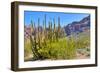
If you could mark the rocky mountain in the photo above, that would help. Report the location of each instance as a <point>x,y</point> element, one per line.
<point>78,26</point>
<point>27,31</point>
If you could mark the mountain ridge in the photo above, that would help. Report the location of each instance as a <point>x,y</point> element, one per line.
<point>78,26</point>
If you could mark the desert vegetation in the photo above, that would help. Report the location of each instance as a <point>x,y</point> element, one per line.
<point>51,42</point>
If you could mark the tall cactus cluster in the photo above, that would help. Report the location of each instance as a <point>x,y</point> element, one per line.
<point>49,41</point>
<point>40,37</point>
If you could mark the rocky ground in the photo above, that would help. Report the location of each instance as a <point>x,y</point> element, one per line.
<point>82,53</point>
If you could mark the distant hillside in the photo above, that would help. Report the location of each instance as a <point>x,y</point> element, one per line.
<point>78,26</point>
<point>27,31</point>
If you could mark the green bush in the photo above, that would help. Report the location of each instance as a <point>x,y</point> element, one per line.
<point>27,48</point>
<point>63,49</point>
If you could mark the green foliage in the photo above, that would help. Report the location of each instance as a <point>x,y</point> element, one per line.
<point>83,40</point>
<point>54,50</point>
<point>28,47</point>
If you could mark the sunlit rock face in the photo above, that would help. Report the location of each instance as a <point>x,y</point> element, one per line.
<point>78,26</point>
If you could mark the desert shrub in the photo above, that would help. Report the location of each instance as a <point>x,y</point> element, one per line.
<point>83,42</point>
<point>63,49</point>
<point>27,46</point>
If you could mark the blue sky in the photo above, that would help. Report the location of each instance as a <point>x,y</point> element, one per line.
<point>65,18</point>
